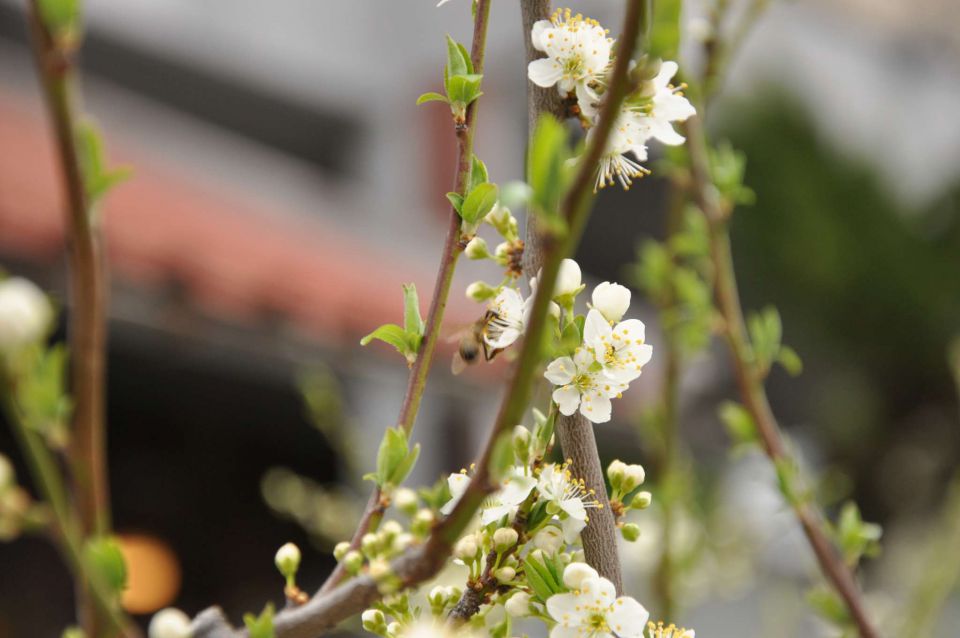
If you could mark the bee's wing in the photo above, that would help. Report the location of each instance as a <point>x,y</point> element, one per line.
<point>458,364</point>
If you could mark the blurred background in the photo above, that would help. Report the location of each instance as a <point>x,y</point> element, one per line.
<point>285,186</point>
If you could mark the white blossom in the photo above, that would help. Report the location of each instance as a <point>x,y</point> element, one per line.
<point>568,278</point>
<point>611,299</point>
<point>508,321</point>
<point>628,135</point>
<point>660,630</point>
<point>578,54</point>
<point>582,385</point>
<point>457,483</point>
<point>569,497</point>
<point>25,314</point>
<point>619,349</point>
<point>516,488</point>
<point>593,610</point>
<point>667,105</point>
<point>169,623</point>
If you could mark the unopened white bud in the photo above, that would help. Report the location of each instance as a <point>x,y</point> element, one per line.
<point>340,550</point>
<point>518,605</point>
<point>576,573</point>
<point>477,249</point>
<point>641,500</point>
<point>481,291</point>
<point>502,251</point>
<point>505,538</point>
<point>369,543</point>
<point>405,500</point>
<point>169,623</point>
<point>612,300</point>
<point>568,278</point>
<point>390,529</point>
<point>466,549</point>
<point>394,628</point>
<point>374,621</point>
<point>403,541</point>
<point>634,476</point>
<point>505,575</point>
<point>615,472</point>
<point>25,314</point>
<point>287,560</point>
<point>379,569</point>
<point>352,562</point>
<point>553,310</point>
<point>548,540</point>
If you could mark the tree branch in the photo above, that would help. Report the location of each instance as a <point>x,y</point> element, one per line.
<point>452,248</point>
<point>750,381</point>
<point>419,563</point>
<point>575,433</point>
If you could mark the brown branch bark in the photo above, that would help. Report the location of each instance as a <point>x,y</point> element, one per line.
<point>574,433</point>
<point>750,381</point>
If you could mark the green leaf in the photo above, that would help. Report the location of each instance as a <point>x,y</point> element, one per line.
<point>740,425</point>
<point>432,96</point>
<point>766,332</point>
<point>463,89</point>
<point>466,57</point>
<point>97,178</point>
<point>479,202</point>
<point>790,361</point>
<point>540,579</point>
<point>402,470</point>
<point>828,605</point>
<point>260,626</point>
<point>547,171</point>
<point>456,199</point>
<point>855,537</point>
<point>389,333</point>
<point>105,559</point>
<point>412,322</point>
<point>395,459</point>
<point>457,61</point>
<point>60,16</point>
<point>665,29</point>
<point>478,174</point>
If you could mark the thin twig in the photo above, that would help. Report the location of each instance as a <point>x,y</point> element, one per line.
<point>452,248</point>
<point>419,563</point>
<point>750,381</point>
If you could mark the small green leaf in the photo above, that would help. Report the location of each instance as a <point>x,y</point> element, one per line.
<point>466,57</point>
<point>402,470</point>
<point>105,559</point>
<point>432,96</point>
<point>60,16</point>
<point>456,199</point>
<point>260,626</point>
<point>389,333</point>
<point>412,322</point>
<point>478,174</point>
<point>828,605</point>
<point>740,425</point>
<point>457,62</point>
<point>479,202</point>
<point>790,361</point>
<point>98,179</point>
<point>463,89</point>
<point>395,459</point>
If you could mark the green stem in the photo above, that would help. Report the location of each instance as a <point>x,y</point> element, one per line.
<point>452,249</point>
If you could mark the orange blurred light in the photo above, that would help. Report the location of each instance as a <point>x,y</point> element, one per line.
<point>153,573</point>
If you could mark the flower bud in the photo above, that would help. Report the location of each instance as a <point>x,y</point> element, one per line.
<point>169,623</point>
<point>405,500</point>
<point>549,540</point>
<point>612,300</point>
<point>631,532</point>
<point>481,291</point>
<point>390,530</point>
<point>340,550</point>
<point>518,605</point>
<point>25,314</point>
<point>576,573</point>
<point>403,541</point>
<point>477,249</point>
<point>466,549</point>
<point>633,477</point>
<point>615,472</point>
<point>521,443</point>
<point>8,477</point>
<point>374,621</point>
<point>568,279</point>
<point>502,252</point>
<point>379,569</point>
<point>421,523</point>
<point>553,310</point>
<point>438,597</point>
<point>641,500</point>
<point>505,575</point>
<point>287,561</point>
<point>352,562</point>
<point>394,628</point>
<point>505,538</point>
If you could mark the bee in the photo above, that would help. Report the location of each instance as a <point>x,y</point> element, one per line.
<point>473,341</point>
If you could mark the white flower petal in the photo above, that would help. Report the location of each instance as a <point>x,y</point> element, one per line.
<point>596,329</point>
<point>545,72</point>
<point>565,609</point>
<point>537,33</point>
<point>561,371</point>
<point>598,409</point>
<point>567,399</point>
<point>628,618</point>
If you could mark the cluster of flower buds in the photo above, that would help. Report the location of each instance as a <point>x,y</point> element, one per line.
<point>624,481</point>
<point>578,62</point>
